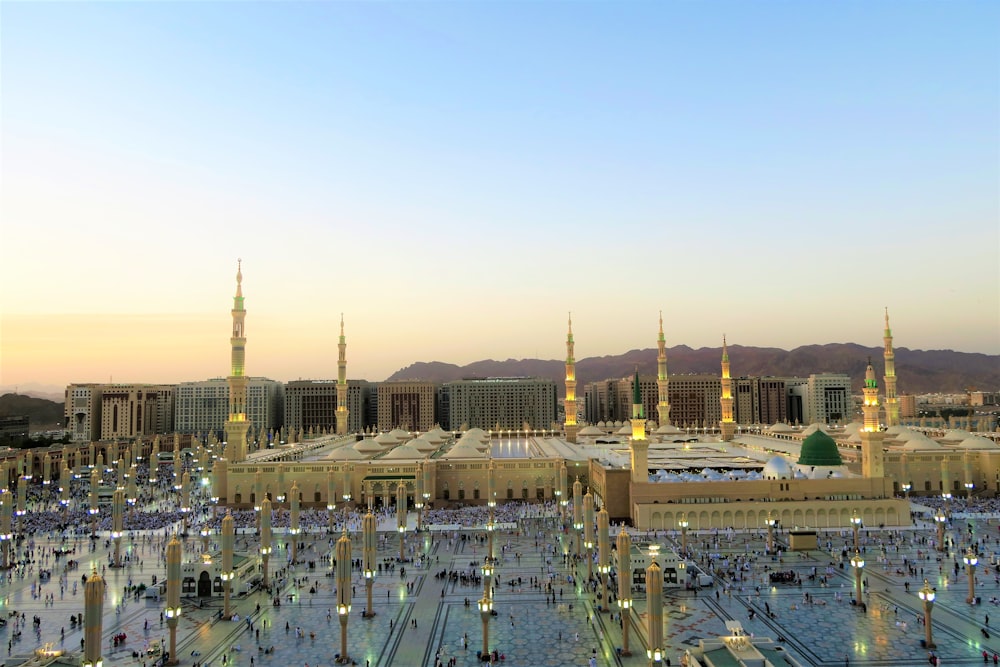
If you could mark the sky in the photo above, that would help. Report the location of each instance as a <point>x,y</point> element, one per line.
<point>455,177</point>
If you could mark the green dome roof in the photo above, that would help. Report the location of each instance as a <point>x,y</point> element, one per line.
<point>819,449</point>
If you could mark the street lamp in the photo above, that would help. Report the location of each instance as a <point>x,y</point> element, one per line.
<point>971,561</point>
<point>947,503</point>
<point>624,544</point>
<point>770,521</point>
<point>968,489</point>
<point>926,594</point>
<point>858,563</point>
<point>684,523</point>
<point>906,489</point>
<point>486,605</point>
<point>940,518</point>
<point>856,525</point>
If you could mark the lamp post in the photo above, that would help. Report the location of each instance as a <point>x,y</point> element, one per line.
<point>577,513</point>
<point>562,494</point>
<point>858,563</point>
<point>625,584</point>
<point>331,499</point>
<point>940,519</point>
<point>588,532</point>
<point>418,496</point>
<point>293,528</point>
<point>491,503</point>
<point>132,490</point>
<point>117,521</point>
<point>654,611</point>
<point>906,489</point>
<point>173,610</point>
<point>926,594</point>
<point>770,521</point>
<point>855,526</point>
<point>427,484</point>
<point>486,607</point>
<point>265,538</point>
<point>6,526</point>
<point>971,561</point>
<point>65,479</point>
<point>228,533</point>
<point>93,596</point>
<point>603,555</point>
<point>343,590</point>
<point>369,546</point>
<point>947,503</point>
<point>401,518</point>
<point>206,532</point>
<point>94,510</point>
<point>186,498</point>
<point>684,523</point>
<point>968,489</point>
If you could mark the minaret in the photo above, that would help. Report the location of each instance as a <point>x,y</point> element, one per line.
<point>237,426</point>
<point>891,403</point>
<point>872,456</point>
<point>639,446</point>
<point>662,382</point>
<point>570,402</point>
<point>342,411</point>
<point>728,424</point>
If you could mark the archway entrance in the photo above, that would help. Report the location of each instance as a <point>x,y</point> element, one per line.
<point>204,585</point>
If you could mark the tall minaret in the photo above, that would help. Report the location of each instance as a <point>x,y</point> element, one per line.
<point>891,404</point>
<point>570,402</point>
<point>872,456</point>
<point>662,382</point>
<point>342,411</point>
<point>728,424</point>
<point>638,446</point>
<point>237,426</point>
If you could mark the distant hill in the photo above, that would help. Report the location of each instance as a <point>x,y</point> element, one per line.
<point>919,371</point>
<point>41,412</point>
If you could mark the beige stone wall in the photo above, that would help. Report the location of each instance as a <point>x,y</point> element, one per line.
<point>744,515</point>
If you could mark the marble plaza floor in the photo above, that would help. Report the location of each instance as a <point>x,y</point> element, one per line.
<point>421,617</point>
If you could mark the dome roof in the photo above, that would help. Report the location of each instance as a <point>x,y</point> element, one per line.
<point>367,446</point>
<point>422,444</point>
<point>896,430</point>
<point>590,430</point>
<point>346,453</point>
<point>624,430</point>
<point>956,434</point>
<point>462,452</point>
<point>406,451</point>
<point>777,468</point>
<point>978,442</point>
<point>668,429</point>
<point>853,427</point>
<point>812,428</point>
<point>386,439</point>
<point>780,428</point>
<point>400,434</point>
<point>819,449</point>
<point>920,441</point>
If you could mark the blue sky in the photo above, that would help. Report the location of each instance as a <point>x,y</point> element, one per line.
<point>456,176</point>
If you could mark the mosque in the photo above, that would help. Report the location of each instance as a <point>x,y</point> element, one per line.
<point>650,474</point>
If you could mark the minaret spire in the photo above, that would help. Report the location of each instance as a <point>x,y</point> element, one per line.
<point>570,402</point>
<point>872,454</point>
<point>237,426</point>
<point>638,446</point>
<point>662,381</point>
<point>891,402</point>
<point>342,411</point>
<point>728,423</point>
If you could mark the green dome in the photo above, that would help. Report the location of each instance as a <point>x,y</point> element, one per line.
<point>819,449</point>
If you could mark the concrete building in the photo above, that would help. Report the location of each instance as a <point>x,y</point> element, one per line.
<point>828,399</point>
<point>406,404</point>
<point>13,428</point>
<point>505,403</point>
<point>312,404</point>
<point>133,410</point>
<point>203,406</point>
<point>83,412</point>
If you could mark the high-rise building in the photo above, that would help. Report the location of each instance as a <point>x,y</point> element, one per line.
<point>772,402</point>
<point>908,406</point>
<point>83,412</point>
<point>203,406</point>
<point>135,410</point>
<point>828,399</point>
<point>313,404</point>
<point>507,403</point>
<point>406,404</point>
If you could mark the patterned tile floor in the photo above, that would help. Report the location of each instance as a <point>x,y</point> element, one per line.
<point>823,633</point>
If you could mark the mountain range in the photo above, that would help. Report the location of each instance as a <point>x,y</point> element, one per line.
<point>917,371</point>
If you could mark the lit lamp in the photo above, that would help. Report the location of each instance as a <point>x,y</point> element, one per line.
<point>654,610</point>
<point>206,532</point>
<point>486,605</point>
<point>858,563</point>
<point>6,526</point>
<point>603,554</point>
<point>93,595</point>
<point>578,513</point>
<point>906,489</point>
<point>293,528</point>
<point>588,532</point>
<point>331,499</point>
<point>343,555</point>
<point>173,609</point>
<point>770,521</point>
<point>947,503</point>
<point>926,595</point>
<point>401,517</point>
<point>855,526</point>
<point>684,523</point>
<point>265,538</point>
<point>968,489</point>
<point>370,544</point>
<point>228,535</point>
<point>940,519</point>
<point>971,561</point>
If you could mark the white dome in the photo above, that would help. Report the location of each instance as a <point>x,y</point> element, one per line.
<point>590,431</point>
<point>777,468</point>
<point>780,428</point>
<point>406,451</point>
<point>852,428</point>
<point>978,442</point>
<point>668,429</point>
<point>812,428</point>
<point>624,430</point>
<point>921,441</point>
<point>367,447</point>
<point>386,439</point>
